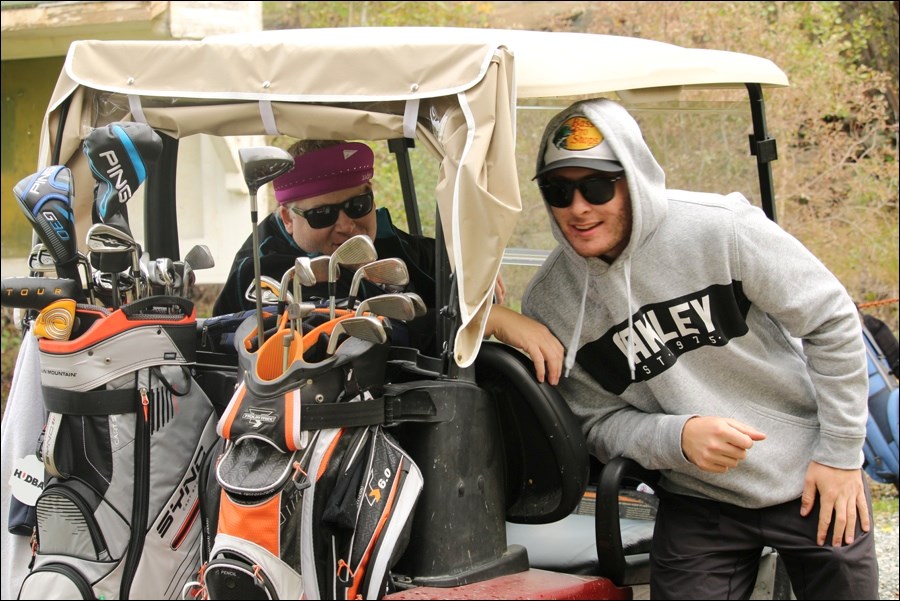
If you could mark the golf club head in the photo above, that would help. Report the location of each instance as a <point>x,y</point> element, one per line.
<point>262,164</point>
<point>104,281</point>
<point>418,303</point>
<point>187,279</point>
<point>303,271</point>
<point>299,311</point>
<point>150,274</point>
<point>319,267</point>
<point>353,251</point>
<point>366,328</point>
<point>303,276</point>
<point>46,199</point>
<point>271,291</point>
<point>394,306</point>
<point>284,285</point>
<point>106,239</point>
<point>113,249</point>
<point>391,272</point>
<point>200,257</point>
<point>40,260</point>
<point>120,156</point>
<point>111,260</point>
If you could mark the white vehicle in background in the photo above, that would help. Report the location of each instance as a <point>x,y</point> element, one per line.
<point>462,109</point>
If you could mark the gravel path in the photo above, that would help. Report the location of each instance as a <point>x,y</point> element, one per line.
<point>887,534</point>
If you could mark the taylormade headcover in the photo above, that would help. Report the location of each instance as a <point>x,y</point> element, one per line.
<point>120,156</point>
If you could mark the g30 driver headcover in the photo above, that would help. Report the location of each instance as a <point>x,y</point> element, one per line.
<point>46,199</point>
<point>120,155</point>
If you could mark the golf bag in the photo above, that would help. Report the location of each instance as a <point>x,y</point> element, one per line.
<point>315,499</point>
<point>881,446</point>
<point>126,435</point>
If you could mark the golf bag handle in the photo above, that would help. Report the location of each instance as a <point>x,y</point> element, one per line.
<point>153,304</point>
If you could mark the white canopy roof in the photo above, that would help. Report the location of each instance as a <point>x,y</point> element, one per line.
<point>454,90</point>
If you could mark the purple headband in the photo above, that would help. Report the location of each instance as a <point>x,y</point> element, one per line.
<point>322,171</point>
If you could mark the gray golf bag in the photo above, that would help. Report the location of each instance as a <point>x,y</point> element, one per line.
<point>126,437</point>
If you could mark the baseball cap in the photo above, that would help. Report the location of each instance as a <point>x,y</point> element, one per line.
<point>578,143</point>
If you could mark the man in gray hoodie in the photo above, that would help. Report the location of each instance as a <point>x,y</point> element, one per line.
<point>703,341</point>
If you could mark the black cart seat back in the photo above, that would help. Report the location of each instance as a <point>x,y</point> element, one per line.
<point>547,462</point>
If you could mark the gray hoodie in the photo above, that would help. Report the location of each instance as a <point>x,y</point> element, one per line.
<point>711,309</point>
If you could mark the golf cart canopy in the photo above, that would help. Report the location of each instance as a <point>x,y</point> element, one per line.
<point>453,91</point>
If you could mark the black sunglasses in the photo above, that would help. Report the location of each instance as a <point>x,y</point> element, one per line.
<point>327,215</point>
<point>597,190</point>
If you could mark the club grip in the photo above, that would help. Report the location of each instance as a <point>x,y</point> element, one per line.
<point>37,293</point>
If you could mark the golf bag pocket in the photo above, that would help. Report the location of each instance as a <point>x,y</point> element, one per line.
<point>257,539</point>
<point>124,455</point>
<point>81,538</point>
<point>361,513</point>
<point>60,579</point>
<point>244,570</point>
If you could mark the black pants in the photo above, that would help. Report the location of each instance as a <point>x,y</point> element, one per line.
<point>709,550</point>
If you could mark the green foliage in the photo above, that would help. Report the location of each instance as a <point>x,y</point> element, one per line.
<point>10,340</point>
<point>361,13</point>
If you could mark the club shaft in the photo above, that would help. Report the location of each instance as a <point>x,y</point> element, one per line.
<point>257,277</point>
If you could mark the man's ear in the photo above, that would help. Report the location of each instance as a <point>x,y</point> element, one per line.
<point>285,214</point>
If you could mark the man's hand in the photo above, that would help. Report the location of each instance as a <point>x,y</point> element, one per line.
<point>716,444</point>
<point>499,290</point>
<point>841,496</point>
<point>531,336</point>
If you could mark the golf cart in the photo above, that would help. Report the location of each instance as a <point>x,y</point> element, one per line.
<point>503,460</point>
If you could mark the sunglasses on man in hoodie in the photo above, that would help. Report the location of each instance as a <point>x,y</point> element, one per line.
<point>596,189</point>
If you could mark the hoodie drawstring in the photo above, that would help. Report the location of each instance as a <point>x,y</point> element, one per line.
<point>572,348</point>
<point>626,268</point>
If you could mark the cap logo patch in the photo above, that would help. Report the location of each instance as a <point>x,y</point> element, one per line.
<point>577,133</point>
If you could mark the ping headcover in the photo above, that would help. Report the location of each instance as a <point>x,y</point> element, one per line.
<point>46,199</point>
<point>120,155</point>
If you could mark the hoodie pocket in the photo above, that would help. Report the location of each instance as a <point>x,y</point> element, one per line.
<point>785,453</point>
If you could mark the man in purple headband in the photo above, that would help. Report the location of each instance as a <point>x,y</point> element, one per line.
<point>323,201</point>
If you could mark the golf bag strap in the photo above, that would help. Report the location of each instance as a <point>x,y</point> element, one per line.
<point>93,402</point>
<point>385,410</point>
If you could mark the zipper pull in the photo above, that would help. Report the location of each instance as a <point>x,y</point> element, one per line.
<point>145,401</point>
<point>301,480</point>
<point>34,548</point>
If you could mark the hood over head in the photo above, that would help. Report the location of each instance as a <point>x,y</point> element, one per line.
<point>611,142</point>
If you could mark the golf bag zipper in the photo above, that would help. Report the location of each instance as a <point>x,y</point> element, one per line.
<point>141,492</point>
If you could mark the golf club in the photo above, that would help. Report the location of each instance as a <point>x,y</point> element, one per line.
<point>353,251</point>
<point>39,260</point>
<point>394,306</point>
<point>366,328</point>
<point>391,271</point>
<point>260,165</point>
